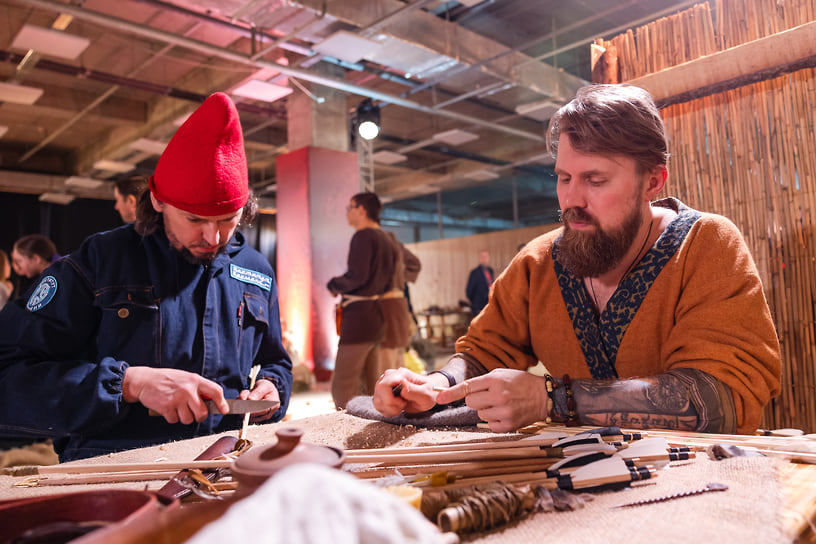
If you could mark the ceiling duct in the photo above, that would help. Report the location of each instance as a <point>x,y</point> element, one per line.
<point>228,54</point>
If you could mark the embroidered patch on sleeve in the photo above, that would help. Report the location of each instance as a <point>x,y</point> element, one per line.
<point>250,276</point>
<point>43,294</point>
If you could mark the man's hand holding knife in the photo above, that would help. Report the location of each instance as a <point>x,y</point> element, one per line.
<point>185,397</point>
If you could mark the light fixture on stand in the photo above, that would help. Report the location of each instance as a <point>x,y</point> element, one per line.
<point>368,119</point>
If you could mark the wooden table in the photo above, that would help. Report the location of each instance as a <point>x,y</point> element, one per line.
<point>784,502</point>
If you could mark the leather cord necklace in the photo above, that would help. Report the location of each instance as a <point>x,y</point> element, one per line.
<point>631,266</point>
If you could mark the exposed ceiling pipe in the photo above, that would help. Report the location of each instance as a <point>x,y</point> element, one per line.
<point>209,49</point>
<point>521,47</point>
<point>68,124</point>
<point>407,8</point>
<point>132,83</point>
<point>283,39</point>
<point>245,30</point>
<point>163,90</point>
<point>613,31</point>
<point>97,101</point>
<point>310,56</point>
<point>310,60</point>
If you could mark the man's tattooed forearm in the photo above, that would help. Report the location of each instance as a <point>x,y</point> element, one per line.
<point>660,401</point>
<point>640,421</point>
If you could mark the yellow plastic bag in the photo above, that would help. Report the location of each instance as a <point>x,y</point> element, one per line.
<point>413,362</point>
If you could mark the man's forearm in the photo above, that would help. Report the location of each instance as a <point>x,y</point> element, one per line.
<point>655,402</point>
<point>461,367</point>
<point>686,399</point>
<point>682,399</point>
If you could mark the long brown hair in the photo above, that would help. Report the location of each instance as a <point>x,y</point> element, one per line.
<point>148,219</point>
<point>613,120</point>
<point>133,185</point>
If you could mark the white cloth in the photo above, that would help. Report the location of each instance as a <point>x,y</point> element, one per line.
<point>313,504</point>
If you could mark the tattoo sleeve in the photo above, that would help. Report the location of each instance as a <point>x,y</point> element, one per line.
<point>712,400</point>
<point>462,366</point>
<point>685,399</point>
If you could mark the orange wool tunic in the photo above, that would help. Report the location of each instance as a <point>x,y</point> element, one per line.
<point>705,309</point>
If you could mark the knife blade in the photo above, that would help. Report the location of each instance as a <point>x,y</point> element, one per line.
<point>242,406</point>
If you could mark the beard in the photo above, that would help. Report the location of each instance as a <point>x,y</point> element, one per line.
<point>590,254</point>
<point>187,255</point>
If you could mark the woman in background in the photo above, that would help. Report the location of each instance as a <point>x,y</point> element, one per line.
<point>32,254</point>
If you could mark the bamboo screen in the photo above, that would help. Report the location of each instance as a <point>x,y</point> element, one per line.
<point>749,154</point>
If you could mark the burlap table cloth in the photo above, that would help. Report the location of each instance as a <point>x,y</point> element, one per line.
<point>750,511</point>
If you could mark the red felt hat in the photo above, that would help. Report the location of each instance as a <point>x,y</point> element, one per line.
<point>203,170</point>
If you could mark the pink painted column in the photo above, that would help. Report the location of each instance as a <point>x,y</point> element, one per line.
<point>314,185</point>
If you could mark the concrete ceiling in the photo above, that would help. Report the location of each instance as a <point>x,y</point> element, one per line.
<point>433,67</point>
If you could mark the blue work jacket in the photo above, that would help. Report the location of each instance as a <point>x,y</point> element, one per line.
<point>124,299</point>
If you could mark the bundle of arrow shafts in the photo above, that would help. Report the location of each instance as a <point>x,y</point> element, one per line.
<point>79,473</point>
<point>475,486</point>
<point>583,461</point>
<point>213,461</point>
<point>795,449</point>
<point>788,444</point>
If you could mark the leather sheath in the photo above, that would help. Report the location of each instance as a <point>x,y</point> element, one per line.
<point>172,490</point>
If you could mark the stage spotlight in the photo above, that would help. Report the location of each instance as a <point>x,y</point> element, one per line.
<point>368,119</point>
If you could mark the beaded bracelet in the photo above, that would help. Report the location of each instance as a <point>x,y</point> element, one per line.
<point>550,384</point>
<point>572,414</point>
<point>571,417</point>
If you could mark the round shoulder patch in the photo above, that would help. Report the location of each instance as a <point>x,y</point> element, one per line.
<point>43,294</point>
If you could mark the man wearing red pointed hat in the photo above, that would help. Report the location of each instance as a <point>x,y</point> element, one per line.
<point>156,316</point>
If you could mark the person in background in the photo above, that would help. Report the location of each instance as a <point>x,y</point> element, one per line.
<point>479,282</point>
<point>159,315</point>
<point>37,248</point>
<point>647,314</point>
<point>6,287</point>
<point>368,287</point>
<point>400,321</point>
<point>30,255</point>
<point>126,192</point>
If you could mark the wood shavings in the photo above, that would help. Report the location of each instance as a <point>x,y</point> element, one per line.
<point>544,500</point>
<point>565,501</point>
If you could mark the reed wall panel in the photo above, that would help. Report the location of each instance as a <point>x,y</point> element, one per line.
<point>749,154</point>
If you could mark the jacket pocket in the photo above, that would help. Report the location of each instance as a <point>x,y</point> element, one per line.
<point>254,325</point>
<point>129,328</point>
